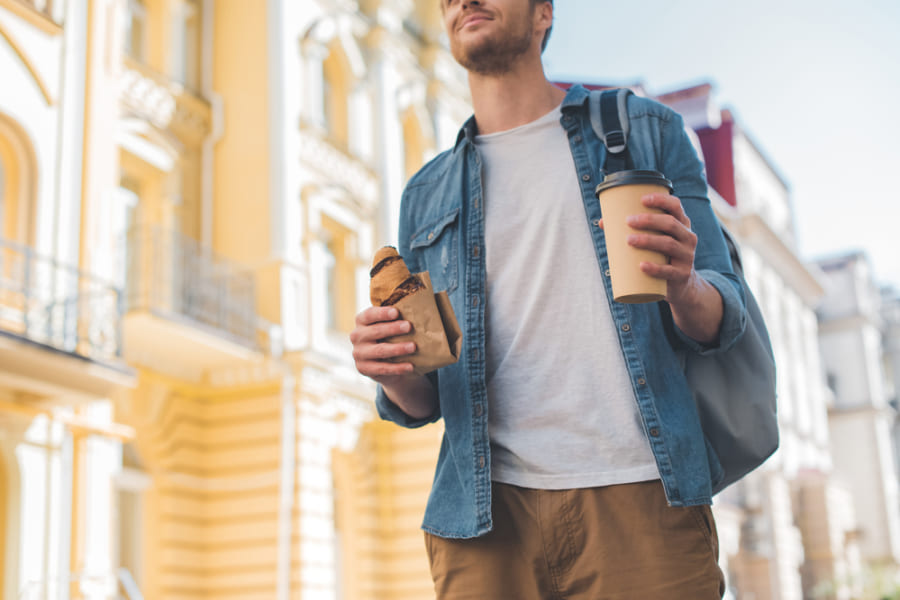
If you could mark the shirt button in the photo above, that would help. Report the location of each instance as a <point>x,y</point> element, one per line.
<point>475,354</point>
<point>626,327</point>
<point>480,462</point>
<point>654,432</point>
<point>475,251</point>
<point>479,410</point>
<point>475,300</point>
<point>606,272</point>
<point>586,177</point>
<point>576,139</point>
<point>431,236</point>
<point>642,381</point>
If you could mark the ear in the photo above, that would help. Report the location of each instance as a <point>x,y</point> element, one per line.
<point>544,15</point>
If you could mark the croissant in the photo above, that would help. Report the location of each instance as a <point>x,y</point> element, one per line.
<point>391,280</point>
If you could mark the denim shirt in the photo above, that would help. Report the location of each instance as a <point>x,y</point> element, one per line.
<point>441,230</point>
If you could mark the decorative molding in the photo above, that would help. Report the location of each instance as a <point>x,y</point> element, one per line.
<point>29,66</point>
<point>147,98</point>
<point>166,104</point>
<point>29,12</point>
<point>192,120</point>
<point>337,166</point>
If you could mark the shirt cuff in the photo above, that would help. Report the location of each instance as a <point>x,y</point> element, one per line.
<point>734,315</point>
<point>389,411</point>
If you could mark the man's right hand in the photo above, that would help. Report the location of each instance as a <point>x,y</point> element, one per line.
<point>413,393</point>
<point>370,350</point>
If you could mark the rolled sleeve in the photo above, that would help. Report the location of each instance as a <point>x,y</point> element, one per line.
<point>734,315</point>
<point>389,411</point>
<point>712,259</point>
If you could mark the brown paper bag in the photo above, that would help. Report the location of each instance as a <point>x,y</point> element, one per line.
<point>435,329</point>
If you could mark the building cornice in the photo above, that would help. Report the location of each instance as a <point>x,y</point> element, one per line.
<point>752,229</point>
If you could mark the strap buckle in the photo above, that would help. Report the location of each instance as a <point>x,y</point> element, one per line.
<point>615,141</point>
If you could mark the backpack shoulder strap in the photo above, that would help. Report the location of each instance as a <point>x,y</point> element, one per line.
<point>609,119</point>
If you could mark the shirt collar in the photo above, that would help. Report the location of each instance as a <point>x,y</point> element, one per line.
<point>576,96</point>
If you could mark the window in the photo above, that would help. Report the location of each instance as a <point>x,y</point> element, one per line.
<point>340,277</point>
<point>332,284</point>
<point>413,143</point>
<point>335,92</point>
<point>18,183</point>
<point>187,51</point>
<point>3,196</point>
<point>8,192</point>
<point>15,200</point>
<point>42,509</point>
<point>122,219</point>
<point>136,30</point>
<point>130,484</point>
<point>6,520</point>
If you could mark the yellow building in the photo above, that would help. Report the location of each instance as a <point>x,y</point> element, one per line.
<point>190,195</point>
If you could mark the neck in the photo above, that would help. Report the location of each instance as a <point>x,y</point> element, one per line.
<point>514,98</point>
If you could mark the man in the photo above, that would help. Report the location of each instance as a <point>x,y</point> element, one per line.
<point>573,464</point>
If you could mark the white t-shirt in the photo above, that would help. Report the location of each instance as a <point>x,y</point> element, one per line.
<point>562,412</point>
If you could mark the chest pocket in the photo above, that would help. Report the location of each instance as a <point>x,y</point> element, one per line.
<point>436,247</point>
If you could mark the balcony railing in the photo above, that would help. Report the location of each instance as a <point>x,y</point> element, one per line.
<point>54,304</point>
<point>177,278</point>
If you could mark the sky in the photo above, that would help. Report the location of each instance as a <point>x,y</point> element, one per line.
<point>814,83</point>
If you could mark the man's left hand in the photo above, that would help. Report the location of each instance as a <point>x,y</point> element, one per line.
<point>696,305</point>
<point>677,243</point>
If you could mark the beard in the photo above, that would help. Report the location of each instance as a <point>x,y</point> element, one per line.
<point>495,55</point>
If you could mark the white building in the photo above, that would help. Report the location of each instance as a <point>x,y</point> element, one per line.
<point>786,530</point>
<point>858,341</point>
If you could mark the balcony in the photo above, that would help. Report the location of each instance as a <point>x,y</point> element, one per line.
<point>187,310</point>
<point>322,154</point>
<point>60,329</point>
<point>164,103</point>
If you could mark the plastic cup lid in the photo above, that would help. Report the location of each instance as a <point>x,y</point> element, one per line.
<point>637,176</point>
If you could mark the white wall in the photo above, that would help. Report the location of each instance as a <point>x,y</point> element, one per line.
<point>760,190</point>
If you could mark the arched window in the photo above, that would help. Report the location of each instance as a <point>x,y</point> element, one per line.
<point>16,183</point>
<point>9,192</point>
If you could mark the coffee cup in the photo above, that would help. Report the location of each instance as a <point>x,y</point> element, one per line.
<point>620,196</point>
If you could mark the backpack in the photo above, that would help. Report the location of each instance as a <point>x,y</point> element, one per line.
<point>734,390</point>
